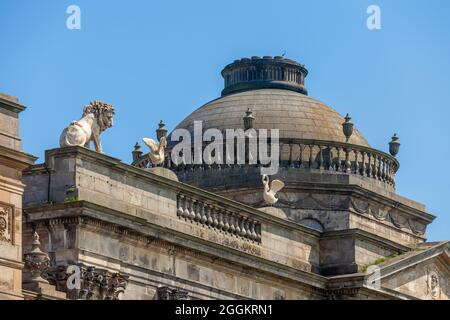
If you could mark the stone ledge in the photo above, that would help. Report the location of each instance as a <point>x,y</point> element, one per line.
<point>172,185</point>
<point>142,228</point>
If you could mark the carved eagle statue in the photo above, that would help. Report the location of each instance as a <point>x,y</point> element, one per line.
<point>157,150</point>
<point>270,192</point>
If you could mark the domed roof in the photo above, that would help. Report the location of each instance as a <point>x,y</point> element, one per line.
<point>296,115</point>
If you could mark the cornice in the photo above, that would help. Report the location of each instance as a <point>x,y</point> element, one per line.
<point>186,189</point>
<point>16,159</point>
<point>174,241</point>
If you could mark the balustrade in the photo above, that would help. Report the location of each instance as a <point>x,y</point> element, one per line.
<point>327,156</point>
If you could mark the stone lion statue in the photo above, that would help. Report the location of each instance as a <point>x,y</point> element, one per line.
<point>97,117</point>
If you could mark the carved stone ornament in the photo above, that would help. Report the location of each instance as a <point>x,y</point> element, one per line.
<point>433,285</point>
<point>166,293</point>
<point>6,213</point>
<point>97,117</point>
<point>82,282</point>
<point>311,201</point>
<point>390,215</point>
<point>380,213</point>
<point>36,262</point>
<point>270,190</point>
<point>157,150</point>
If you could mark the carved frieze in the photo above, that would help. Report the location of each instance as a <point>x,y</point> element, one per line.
<point>380,212</point>
<point>390,215</point>
<point>82,282</point>
<point>313,201</point>
<point>166,293</point>
<point>6,223</point>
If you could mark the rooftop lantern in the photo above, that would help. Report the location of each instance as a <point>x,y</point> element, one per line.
<point>161,131</point>
<point>347,127</point>
<point>248,119</point>
<point>394,145</point>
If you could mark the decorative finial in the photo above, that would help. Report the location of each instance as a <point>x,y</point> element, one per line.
<point>157,150</point>
<point>36,261</point>
<point>394,145</point>
<point>161,131</point>
<point>136,153</point>
<point>248,119</point>
<point>347,127</point>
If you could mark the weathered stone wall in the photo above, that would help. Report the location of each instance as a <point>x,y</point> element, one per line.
<point>9,122</point>
<point>342,207</point>
<point>12,162</point>
<point>100,212</point>
<point>146,202</point>
<point>416,281</point>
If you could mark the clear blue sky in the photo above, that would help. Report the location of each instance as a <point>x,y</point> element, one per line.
<point>162,59</point>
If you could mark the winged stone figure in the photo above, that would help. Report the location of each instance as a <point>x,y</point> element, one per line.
<point>157,150</point>
<point>270,191</point>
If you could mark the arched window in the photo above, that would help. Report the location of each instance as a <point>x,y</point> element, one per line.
<point>312,223</point>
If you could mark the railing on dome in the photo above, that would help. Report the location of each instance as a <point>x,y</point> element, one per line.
<point>327,156</point>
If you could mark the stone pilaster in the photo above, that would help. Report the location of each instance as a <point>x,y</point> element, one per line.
<point>12,162</point>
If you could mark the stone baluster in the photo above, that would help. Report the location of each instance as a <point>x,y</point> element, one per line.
<point>237,225</point>
<point>204,217</point>
<point>209,220</point>
<point>291,161</point>
<point>388,172</point>
<point>330,164</point>
<point>320,160</point>
<point>258,232</point>
<point>198,213</point>
<point>379,168</point>
<point>338,163</point>
<point>232,228</point>
<point>300,159</point>
<point>369,168</point>
<point>186,212</point>
<point>246,228</point>
<point>383,171</point>
<point>347,160</point>
<point>363,163</point>
<point>356,168</point>
<point>374,167</point>
<point>215,216</point>
<point>226,225</point>
<point>220,218</point>
<point>254,236</point>
<point>311,157</point>
<point>193,207</point>
<point>180,210</point>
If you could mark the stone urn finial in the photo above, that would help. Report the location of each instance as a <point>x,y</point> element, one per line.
<point>137,152</point>
<point>394,145</point>
<point>36,261</point>
<point>161,131</point>
<point>248,119</point>
<point>347,127</point>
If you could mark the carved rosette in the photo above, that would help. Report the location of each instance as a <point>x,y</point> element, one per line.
<point>36,261</point>
<point>92,283</point>
<point>6,213</point>
<point>433,285</point>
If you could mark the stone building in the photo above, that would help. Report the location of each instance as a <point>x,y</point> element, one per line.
<point>12,161</point>
<point>204,231</point>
